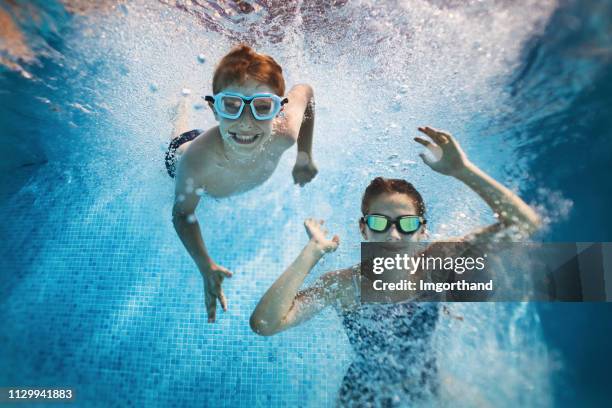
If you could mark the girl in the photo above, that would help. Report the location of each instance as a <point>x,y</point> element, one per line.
<point>393,363</point>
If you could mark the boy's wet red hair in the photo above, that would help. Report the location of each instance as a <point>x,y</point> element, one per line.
<point>243,63</point>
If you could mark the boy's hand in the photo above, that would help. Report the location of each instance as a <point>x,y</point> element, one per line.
<point>213,277</point>
<point>450,159</point>
<point>317,236</point>
<point>304,170</point>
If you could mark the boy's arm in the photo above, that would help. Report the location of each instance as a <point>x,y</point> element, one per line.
<point>188,229</point>
<point>298,126</point>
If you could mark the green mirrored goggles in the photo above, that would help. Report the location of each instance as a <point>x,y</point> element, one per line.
<point>406,224</point>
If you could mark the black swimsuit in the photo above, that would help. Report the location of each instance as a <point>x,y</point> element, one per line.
<point>174,144</point>
<point>394,363</point>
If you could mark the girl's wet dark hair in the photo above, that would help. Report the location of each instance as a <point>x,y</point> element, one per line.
<point>381,185</point>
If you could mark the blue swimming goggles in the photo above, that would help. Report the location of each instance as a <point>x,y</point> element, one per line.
<point>264,106</point>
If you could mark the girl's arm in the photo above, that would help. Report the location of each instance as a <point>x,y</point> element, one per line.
<point>509,208</point>
<point>282,306</point>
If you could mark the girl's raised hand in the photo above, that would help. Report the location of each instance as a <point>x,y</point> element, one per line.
<point>449,158</point>
<point>317,235</point>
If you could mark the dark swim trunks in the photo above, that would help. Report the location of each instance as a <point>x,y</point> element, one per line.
<point>174,144</point>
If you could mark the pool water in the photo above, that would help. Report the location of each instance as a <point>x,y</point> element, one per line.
<point>97,292</point>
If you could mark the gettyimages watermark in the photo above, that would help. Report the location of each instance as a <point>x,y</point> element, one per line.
<point>507,272</point>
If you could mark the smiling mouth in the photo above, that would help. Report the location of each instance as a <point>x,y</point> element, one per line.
<point>244,139</point>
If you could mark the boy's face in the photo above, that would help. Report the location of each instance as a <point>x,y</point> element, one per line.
<point>246,134</point>
<point>392,205</point>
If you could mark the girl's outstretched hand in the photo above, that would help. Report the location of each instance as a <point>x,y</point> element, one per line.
<point>450,159</point>
<point>317,235</point>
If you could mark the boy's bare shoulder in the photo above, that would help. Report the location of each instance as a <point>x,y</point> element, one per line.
<point>284,138</point>
<point>202,154</point>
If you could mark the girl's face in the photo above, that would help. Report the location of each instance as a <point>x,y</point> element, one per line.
<point>392,205</point>
<point>245,135</point>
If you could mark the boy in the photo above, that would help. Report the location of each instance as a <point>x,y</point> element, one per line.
<point>241,152</point>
